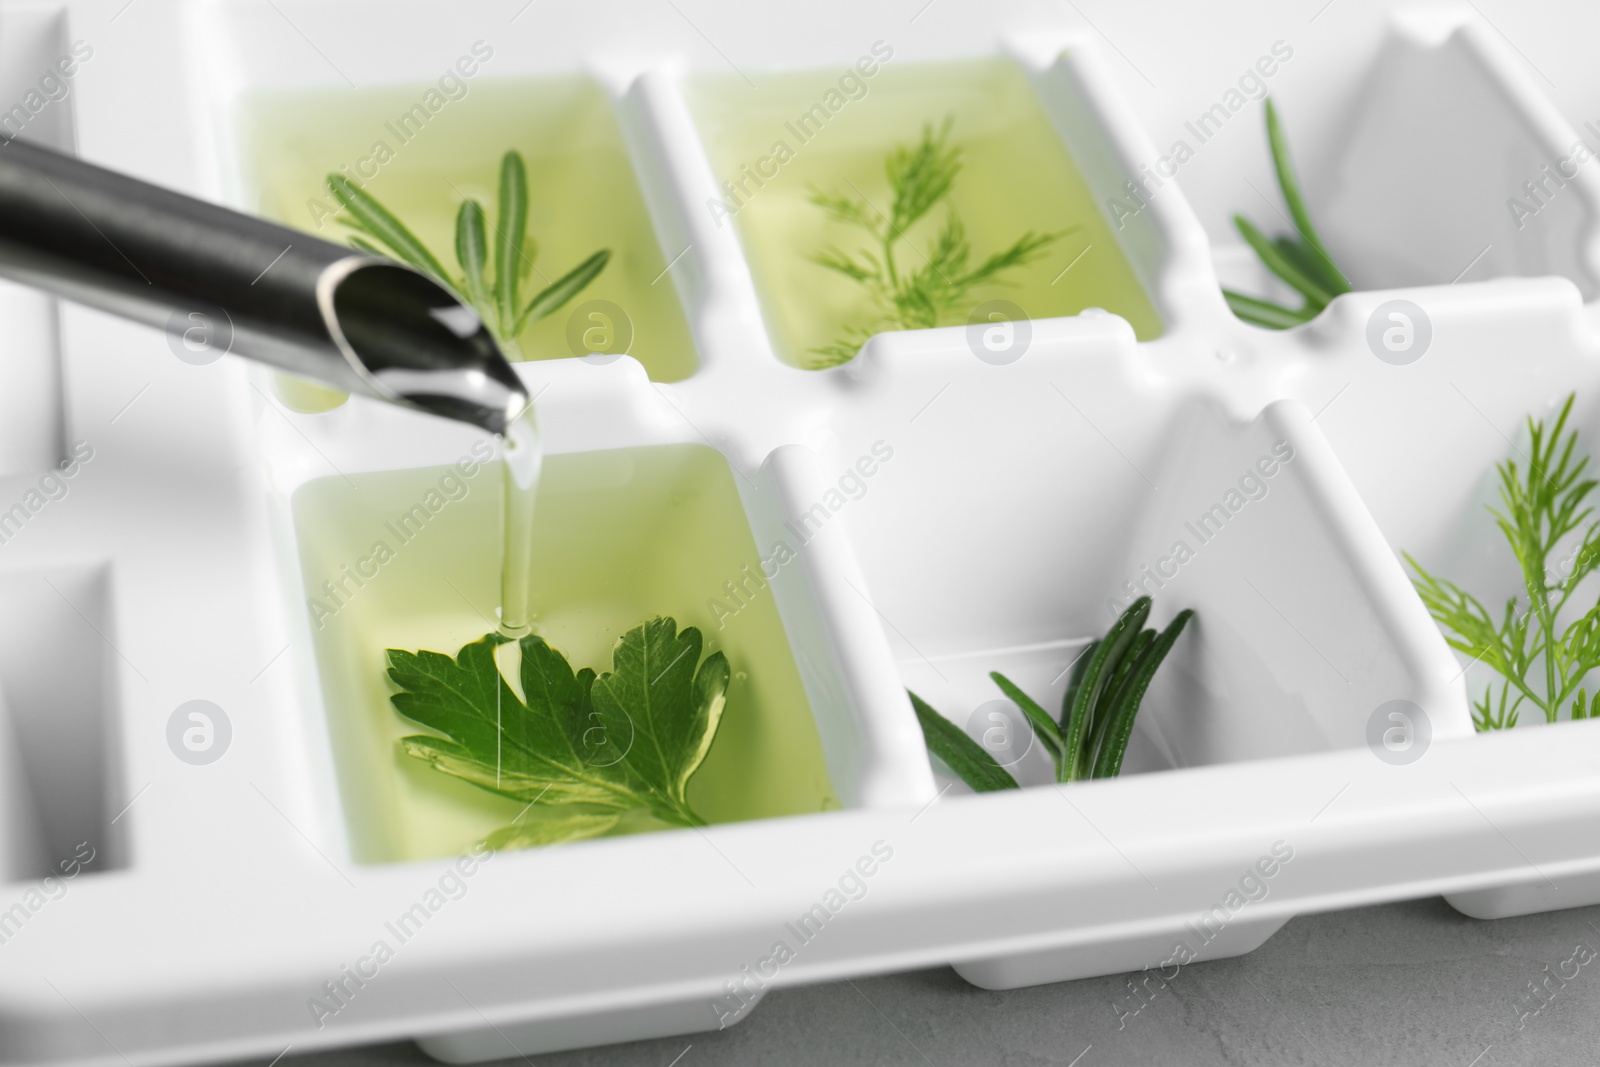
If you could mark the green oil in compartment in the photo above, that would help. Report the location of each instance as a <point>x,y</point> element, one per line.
<point>621,536</point>
<point>1017,176</point>
<point>582,191</point>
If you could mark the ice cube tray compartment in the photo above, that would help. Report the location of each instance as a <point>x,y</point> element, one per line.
<point>58,699</point>
<point>628,534</point>
<point>582,193</point>
<point>1420,442</point>
<point>1060,517</point>
<point>1438,93</point>
<point>823,130</point>
<point>1419,439</point>
<point>1447,95</point>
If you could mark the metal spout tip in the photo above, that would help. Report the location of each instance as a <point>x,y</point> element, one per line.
<point>417,344</point>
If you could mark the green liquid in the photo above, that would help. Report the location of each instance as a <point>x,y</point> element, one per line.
<point>582,192</point>
<point>306,396</point>
<point>622,536</point>
<point>1017,176</point>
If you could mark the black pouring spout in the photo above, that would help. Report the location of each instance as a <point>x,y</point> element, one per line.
<point>354,321</point>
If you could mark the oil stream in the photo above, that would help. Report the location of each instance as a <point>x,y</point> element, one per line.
<point>524,456</point>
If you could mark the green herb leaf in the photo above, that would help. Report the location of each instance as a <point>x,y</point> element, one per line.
<point>1275,262</point>
<point>582,751</point>
<point>970,761</point>
<point>1129,695</point>
<point>472,250</point>
<point>846,348</point>
<point>1318,264</point>
<point>361,244</point>
<point>865,269</point>
<point>1080,667</point>
<point>848,210</point>
<point>511,231</point>
<point>553,826</point>
<point>1125,666</point>
<point>1108,684</point>
<point>1086,704</point>
<point>1312,263</point>
<point>1264,313</point>
<point>1044,727</point>
<point>1023,251</point>
<point>1301,261</point>
<point>1106,704</point>
<point>921,176</point>
<point>496,301</point>
<point>671,702</point>
<point>1540,661</point>
<point>1485,717</point>
<point>490,738</point>
<point>939,289</point>
<point>564,289</point>
<point>378,222</point>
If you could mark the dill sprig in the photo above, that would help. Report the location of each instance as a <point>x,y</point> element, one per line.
<point>1540,662</point>
<point>931,293</point>
<point>1301,260</point>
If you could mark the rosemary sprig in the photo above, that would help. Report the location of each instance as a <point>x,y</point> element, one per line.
<point>1541,662</point>
<point>1301,260</point>
<point>909,297</point>
<point>497,300</point>
<point>1108,684</point>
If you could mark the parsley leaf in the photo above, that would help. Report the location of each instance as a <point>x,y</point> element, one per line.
<point>1541,505</point>
<point>582,751</point>
<point>929,295</point>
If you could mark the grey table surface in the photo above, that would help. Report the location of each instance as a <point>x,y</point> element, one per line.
<point>1411,983</point>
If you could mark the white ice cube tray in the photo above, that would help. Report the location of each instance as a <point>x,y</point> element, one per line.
<point>221,899</point>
